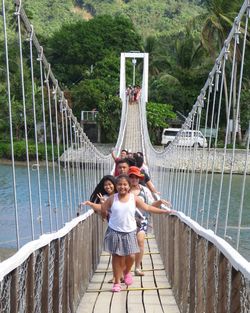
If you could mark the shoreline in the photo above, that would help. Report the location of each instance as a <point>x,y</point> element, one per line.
<point>24,163</point>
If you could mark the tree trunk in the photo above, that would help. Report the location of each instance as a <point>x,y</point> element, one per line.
<point>247,134</point>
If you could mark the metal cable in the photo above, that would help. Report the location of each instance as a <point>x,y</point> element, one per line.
<point>55,209</point>
<point>11,126</point>
<point>54,92</point>
<point>37,165</point>
<point>25,121</point>
<point>40,57</point>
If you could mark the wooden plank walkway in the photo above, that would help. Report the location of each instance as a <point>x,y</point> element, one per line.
<point>149,294</point>
<point>133,138</point>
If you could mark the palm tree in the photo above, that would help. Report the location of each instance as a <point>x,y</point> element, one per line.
<point>158,61</point>
<point>218,23</point>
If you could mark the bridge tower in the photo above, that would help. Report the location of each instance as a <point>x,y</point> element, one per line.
<point>134,55</point>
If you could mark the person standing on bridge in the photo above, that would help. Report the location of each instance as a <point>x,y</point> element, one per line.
<point>123,166</point>
<point>123,155</point>
<point>120,238</point>
<point>142,226</point>
<point>104,189</point>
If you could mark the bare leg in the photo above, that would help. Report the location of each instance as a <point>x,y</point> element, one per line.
<point>129,261</point>
<point>139,256</point>
<point>117,264</point>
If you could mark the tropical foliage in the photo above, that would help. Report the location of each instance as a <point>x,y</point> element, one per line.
<point>158,115</point>
<point>83,41</point>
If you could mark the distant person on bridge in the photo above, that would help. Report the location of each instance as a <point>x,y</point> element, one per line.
<point>129,94</point>
<point>120,238</point>
<point>137,93</point>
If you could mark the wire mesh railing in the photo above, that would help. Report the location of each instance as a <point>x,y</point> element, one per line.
<point>202,170</point>
<point>54,166</point>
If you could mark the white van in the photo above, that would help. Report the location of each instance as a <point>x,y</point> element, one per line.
<point>186,137</point>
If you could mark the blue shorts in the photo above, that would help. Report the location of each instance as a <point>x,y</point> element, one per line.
<point>143,226</point>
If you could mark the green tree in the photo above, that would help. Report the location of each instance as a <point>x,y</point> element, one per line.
<point>217,23</point>
<point>157,116</point>
<point>87,95</point>
<point>109,118</point>
<point>88,42</point>
<point>158,60</point>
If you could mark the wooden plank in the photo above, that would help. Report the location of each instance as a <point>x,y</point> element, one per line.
<point>210,296</point>
<point>168,301</point>
<point>236,291</point>
<point>103,301</point>
<point>201,289</point>
<point>134,298</point>
<point>30,284</point>
<point>152,302</point>
<point>118,303</point>
<point>151,299</point>
<point>223,284</point>
<point>91,301</point>
<point>148,294</point>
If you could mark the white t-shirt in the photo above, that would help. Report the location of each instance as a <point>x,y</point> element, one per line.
<point>122,217</point>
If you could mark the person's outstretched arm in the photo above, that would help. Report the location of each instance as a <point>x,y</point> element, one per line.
<point>149,208</point>
<point>106,206</point>
<point>95,206</point>
<point>159,202</point>
<point>113,154</point>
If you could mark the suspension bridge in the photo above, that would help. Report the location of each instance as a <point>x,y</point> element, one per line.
<point>196,260</point>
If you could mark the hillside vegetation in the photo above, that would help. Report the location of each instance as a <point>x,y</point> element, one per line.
<point>83,40</point>
<point>156,17</point>
<point>149,17</point>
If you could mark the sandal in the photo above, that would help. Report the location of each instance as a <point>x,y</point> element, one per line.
<point>128,279</point>
<point>116,288</point>
<point>139,272</point>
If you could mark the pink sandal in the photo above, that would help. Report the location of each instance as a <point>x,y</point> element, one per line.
<point>128,279</point>
<point>116,288</point>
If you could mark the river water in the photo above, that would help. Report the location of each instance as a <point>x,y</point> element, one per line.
<point>53,219</point>
<point>7,211</point>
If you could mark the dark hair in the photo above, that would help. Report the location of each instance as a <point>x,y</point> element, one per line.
<point>100,188</point>
<point>121,177</point>
<point>124,150</point>
<point>125,160</point>
<point>132,161</point>
<point>138,161</point>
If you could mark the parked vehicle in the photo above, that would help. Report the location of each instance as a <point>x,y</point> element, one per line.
<point>186,137</point>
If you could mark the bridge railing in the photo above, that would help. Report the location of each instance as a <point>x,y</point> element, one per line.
<point>209,186</point>
<point>52,273</point>
<point>211,183</point>
<point>54,167</point>
<point>59,165</point>
<point>206,274</point>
